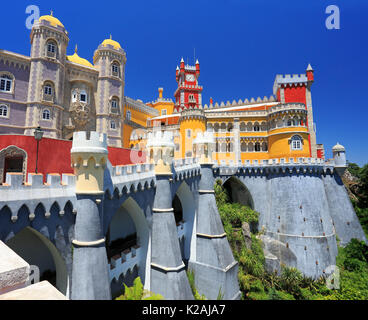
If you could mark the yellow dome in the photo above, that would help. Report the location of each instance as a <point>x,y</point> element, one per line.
<point>77,59</point>
<point>111,42</point>
<point>53,21</point>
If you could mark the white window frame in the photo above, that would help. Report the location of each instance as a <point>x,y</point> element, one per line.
<point>113,125</point>
<point>7,81</point>
<point>163,112</point>
<point>47,89</point>
<point>296,143</point>
<point>2,108</point>
<point>115,69</point>
<point>44,112</point>
<point>128,115</point>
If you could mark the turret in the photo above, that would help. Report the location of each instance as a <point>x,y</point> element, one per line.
<point>197,69</point>
<point>182,65</point>
<point>89,159</point>
<point>310,71</point>
<point>110,59</point>
<point>339,156</point>
<point>49,41</point>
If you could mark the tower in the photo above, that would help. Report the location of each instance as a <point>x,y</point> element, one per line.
<point>49,40</point>
<point>110,59</point>
<point>188,95</point>
<point>339,156</point>
<point>90,267</point>
<point>297,88</point>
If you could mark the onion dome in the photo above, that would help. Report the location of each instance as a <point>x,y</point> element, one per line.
<point>338,148</point>
<point>77,59</point>
<point>52,20</point>
<point>112,43</point>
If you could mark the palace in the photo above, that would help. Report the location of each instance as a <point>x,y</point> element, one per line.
<point>65,93</point>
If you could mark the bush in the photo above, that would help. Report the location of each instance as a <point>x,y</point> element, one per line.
<point>138,293</point>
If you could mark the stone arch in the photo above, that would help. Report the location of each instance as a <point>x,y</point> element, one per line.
<point>185,197</point>
<point>38,250</point>
<point>238,192</point>
<point>129,225</point>
<point>12,152</point>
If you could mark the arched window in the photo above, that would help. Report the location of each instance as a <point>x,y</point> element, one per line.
<point>257,147</point>
<point>256,127</point>
<point>128,115</point>
<point>263,126</point>
<point>4,111</point>
<point>46,114</point>
<point>216,127</point>
<point>6,83</point>
<point>243,147</point>
<point>230,127</point>
<point>223,127</point>
<point>209,127</point>
<point>251,147</point>
<point>48,91</point>
<point>51,48</point>
<point>115,69</point>
<point>264,147</point>
<point>296,142</point>
<point>249,126</point>
<point>114,105</point>
<point>243,127</point>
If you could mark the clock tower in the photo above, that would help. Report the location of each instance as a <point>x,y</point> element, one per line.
<point>188,95</point>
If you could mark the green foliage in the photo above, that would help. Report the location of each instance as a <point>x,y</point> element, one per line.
<point>257,284</point>
<point>191,279</point>
<point>138,293</point>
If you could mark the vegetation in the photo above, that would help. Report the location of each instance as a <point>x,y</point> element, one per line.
<point>136,292</point>
<point>358,189</point>
<point>257,284</point>
<point>196,295</point>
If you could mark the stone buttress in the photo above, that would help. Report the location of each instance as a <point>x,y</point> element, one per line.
<point>214,266</point>
<point>168,275</point>
<point>90,267</point>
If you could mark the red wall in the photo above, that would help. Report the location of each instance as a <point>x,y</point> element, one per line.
<point>54,155</point>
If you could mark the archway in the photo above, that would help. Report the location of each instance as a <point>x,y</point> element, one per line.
<point>238,192</point>
<point>12,159</point>
<point>184,211</point>
<point>127,246</point>
<point>39,251</point>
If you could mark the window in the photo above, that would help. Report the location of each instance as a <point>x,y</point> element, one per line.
<point>257,147</point>
<point>115,68</point>
<point>3,111</point>
<point>51,48</point>
<point>189,133</point>
<point>83,96</point>
<point>6,83</point>
<point>128,115</point>
<point>163,112</point>
<point>48,89</point>
<point>296,143</point>
<point>46,114</point>
<point>112,124</point>
<point>114,105</point>
<point>256,127</point>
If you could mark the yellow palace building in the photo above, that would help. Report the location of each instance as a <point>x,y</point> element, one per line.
<point>263,130</point>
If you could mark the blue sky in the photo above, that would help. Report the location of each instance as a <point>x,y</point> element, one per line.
<point>241,46</point>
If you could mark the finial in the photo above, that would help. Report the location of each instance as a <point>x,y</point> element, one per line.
<point>76,49</point>
<point>309,68</point>
<point>182,60</point>
<point>110,36</point>
<point>51,13</point>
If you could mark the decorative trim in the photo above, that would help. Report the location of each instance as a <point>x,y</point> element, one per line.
<point>163,210</point>
<point>88,243</point>
<point>211,236</point>
<point>206,191</point>
<point>168,269</point>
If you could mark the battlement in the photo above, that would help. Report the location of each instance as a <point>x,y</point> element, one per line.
<point>287,79</point>
<point>126,260</point>
<point>240,102</point>
<point>93,141</point>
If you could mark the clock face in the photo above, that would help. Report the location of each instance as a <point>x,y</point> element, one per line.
<point>190,77</point>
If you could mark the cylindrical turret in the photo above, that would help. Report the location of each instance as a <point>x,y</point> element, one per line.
<point>339,156</point>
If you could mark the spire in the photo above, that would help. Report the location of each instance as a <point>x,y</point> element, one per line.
<point>51,13</point>
<point>177,67</point>
<point>309,68</point>
<point>182,60</point>
<point>76,49</point>
<point>197,62</point>
<point>110,36</point>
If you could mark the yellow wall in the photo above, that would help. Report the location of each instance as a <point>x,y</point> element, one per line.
<point>187,143</point>
<point>279,147</point>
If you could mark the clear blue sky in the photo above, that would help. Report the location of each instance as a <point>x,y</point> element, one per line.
<point>240,44</point>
